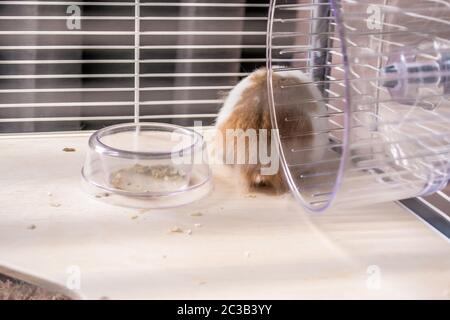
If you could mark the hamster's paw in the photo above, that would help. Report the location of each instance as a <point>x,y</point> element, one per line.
<point>256,181</point>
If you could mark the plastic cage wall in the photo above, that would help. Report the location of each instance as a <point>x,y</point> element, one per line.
<point>372,121</point>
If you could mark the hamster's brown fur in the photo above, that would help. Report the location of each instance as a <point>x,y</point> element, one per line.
<point>252,112</point>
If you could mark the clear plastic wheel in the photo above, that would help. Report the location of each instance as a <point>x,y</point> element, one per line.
<point>359,93</point>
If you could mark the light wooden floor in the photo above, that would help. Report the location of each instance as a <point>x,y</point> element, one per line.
<point>249,247</point>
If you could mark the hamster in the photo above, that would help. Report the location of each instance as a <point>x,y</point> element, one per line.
<point>246,107</point>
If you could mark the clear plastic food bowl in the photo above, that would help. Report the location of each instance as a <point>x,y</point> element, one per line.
<point>147,165</point>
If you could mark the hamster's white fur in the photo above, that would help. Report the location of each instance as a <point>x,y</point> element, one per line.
<point>233,98</point>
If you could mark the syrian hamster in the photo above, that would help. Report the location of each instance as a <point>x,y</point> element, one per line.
<point>299,115</point>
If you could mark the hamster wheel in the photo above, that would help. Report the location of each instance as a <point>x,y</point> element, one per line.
<point>376,99</point>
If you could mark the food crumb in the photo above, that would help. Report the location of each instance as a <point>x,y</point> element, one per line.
<point>201,283</point>
<point>164,256</point>
<point>189,231</point>
<point>55,204</point>
<point>134,217</point>
<point>247,254</point>
<point>143,178</point>
<point>101,195</point>
<point>104,298</point>
<point>197,225</point>
<point>31,227</point>
<point>176,230</point>
<point>49,194</point>
<point>252,196</point>
<point>143,211</point>
<point>196,214</point>
<point>69,149</point>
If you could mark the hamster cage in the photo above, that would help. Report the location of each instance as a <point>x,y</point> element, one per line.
<point>379,70</point>
<point>383,70</point>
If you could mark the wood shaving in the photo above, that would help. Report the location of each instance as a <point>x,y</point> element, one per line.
<point>102,195</point>
<point>69,149</point>
<point>31,227</point>
<point>176,230</point>
<point>196,214</point>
